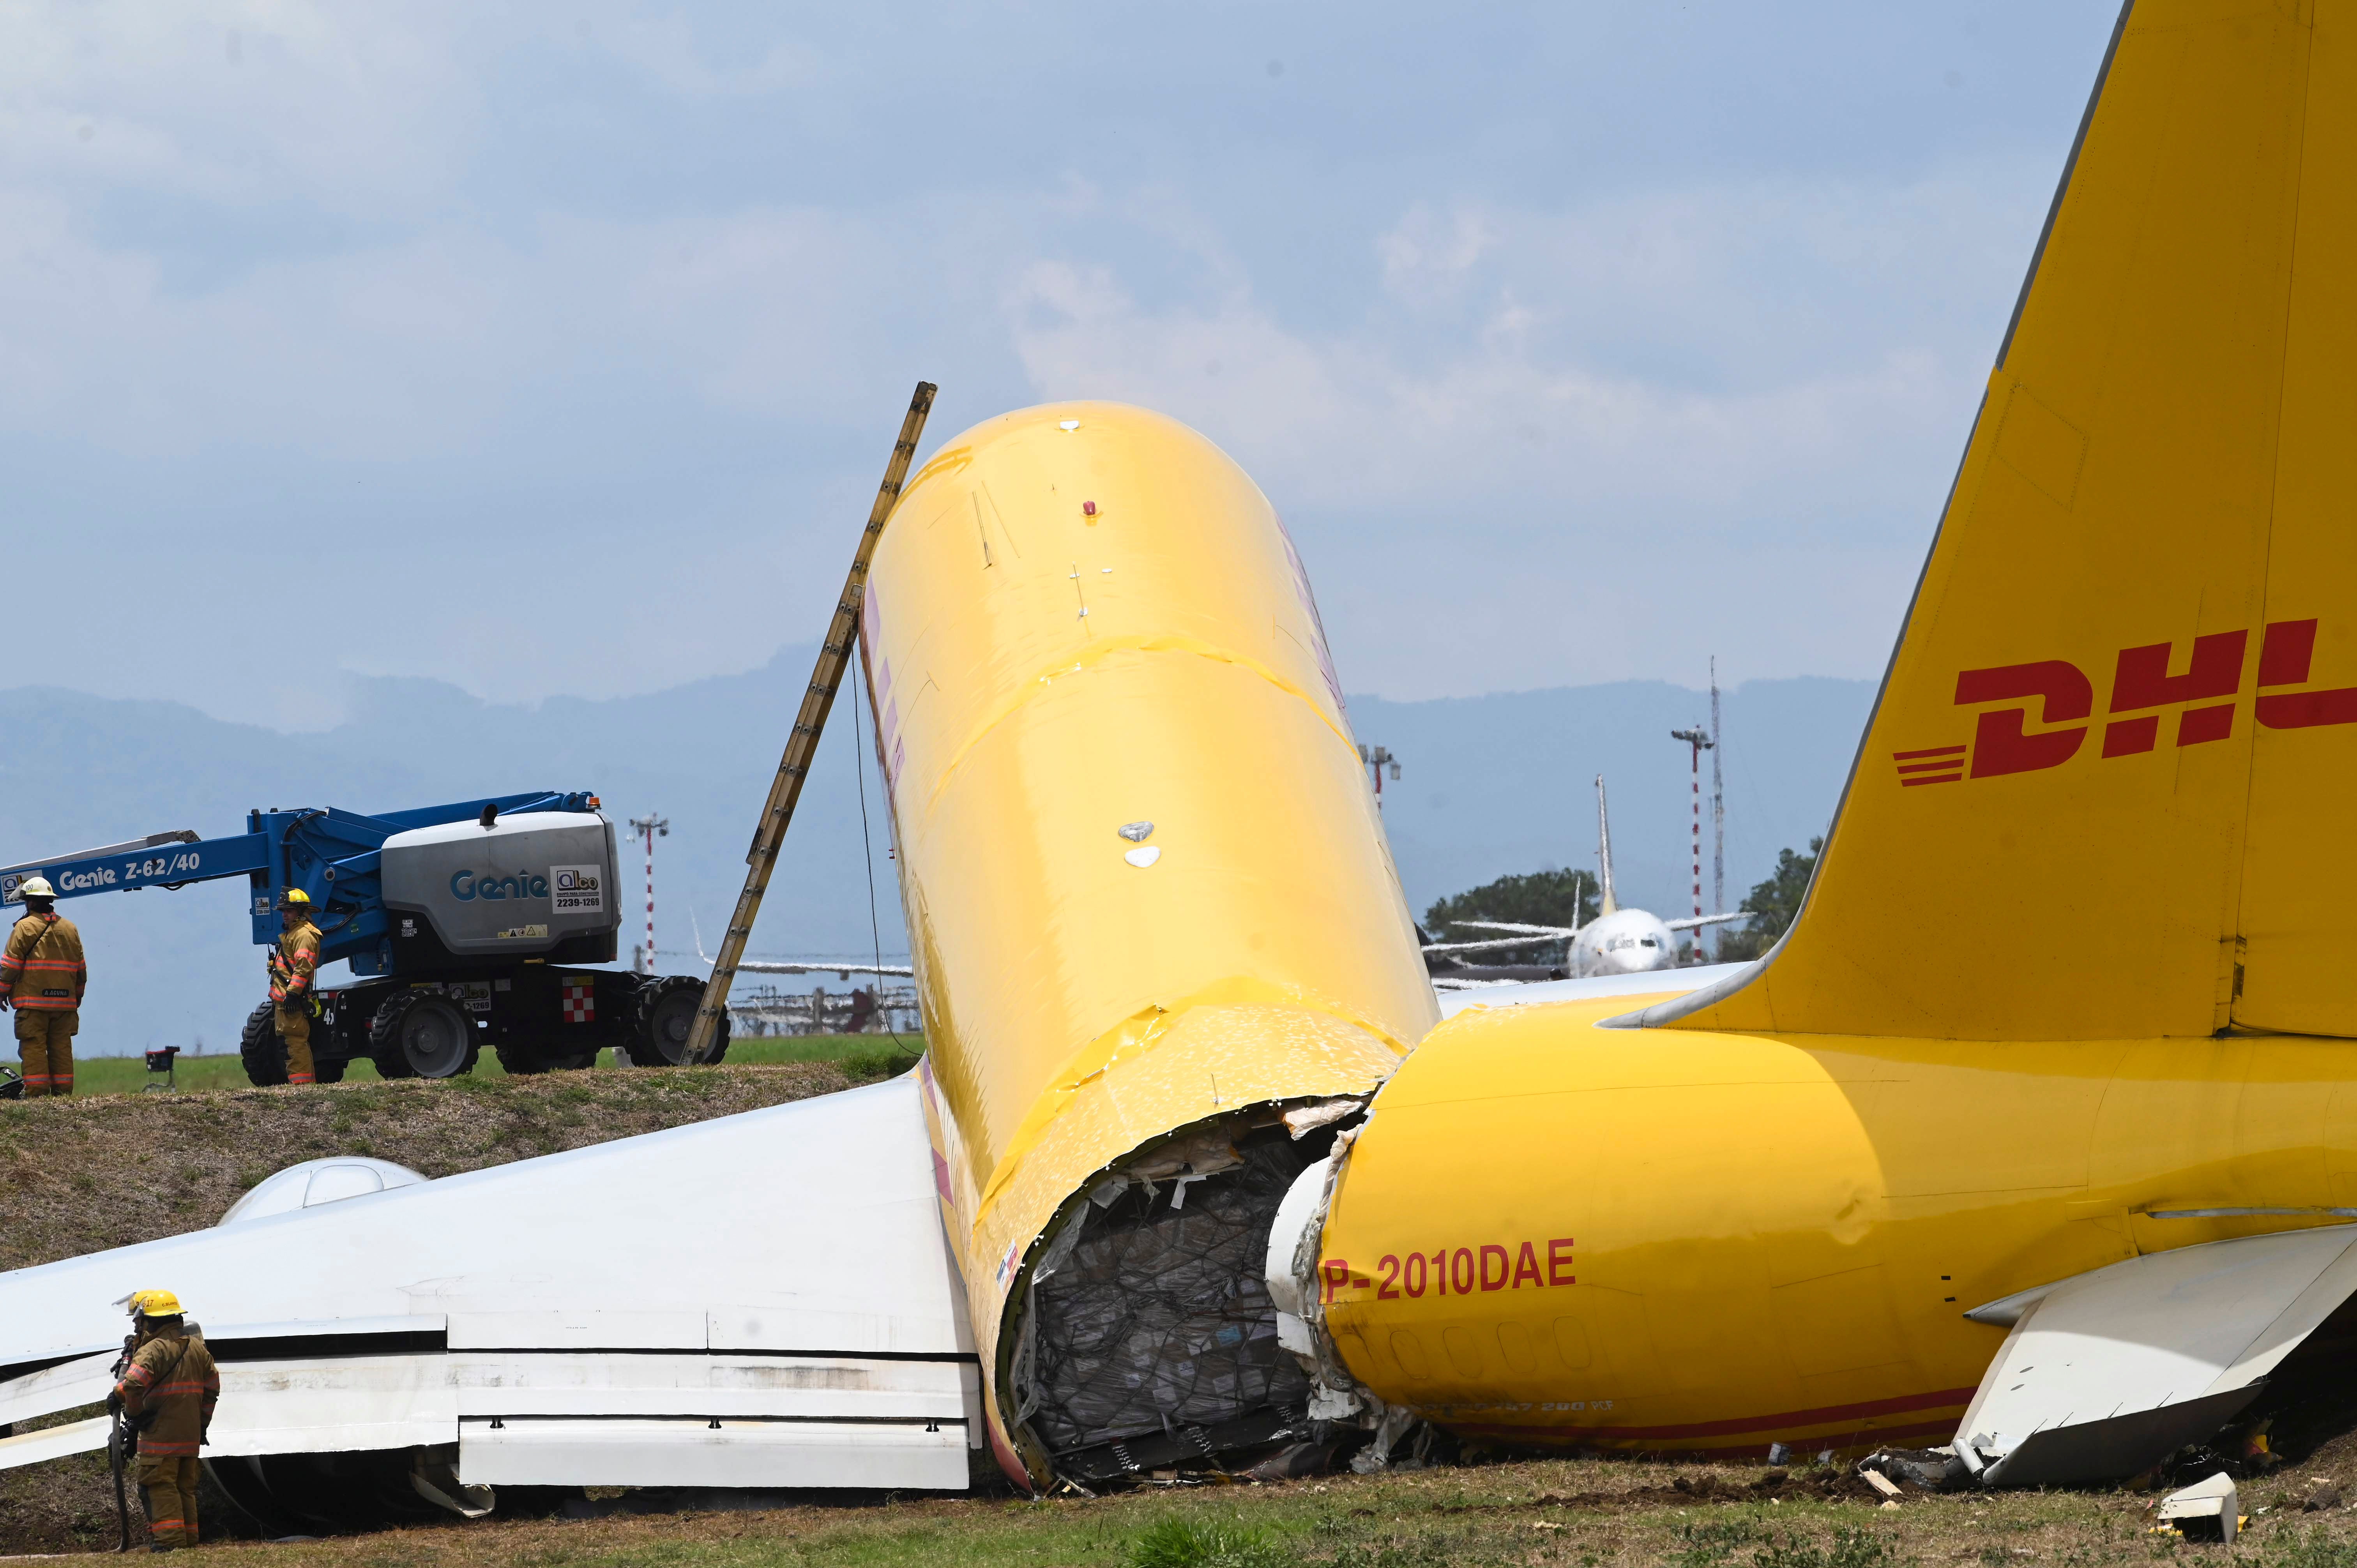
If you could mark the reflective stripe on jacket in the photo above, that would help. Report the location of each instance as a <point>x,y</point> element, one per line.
<point>42,967</point>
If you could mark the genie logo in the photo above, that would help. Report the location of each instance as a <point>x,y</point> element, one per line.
<point>2204,699</point>
<point>469,886</point>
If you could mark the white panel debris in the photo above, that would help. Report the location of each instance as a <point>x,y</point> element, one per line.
<point>2106,1373</point>
<point>2209,1511</point>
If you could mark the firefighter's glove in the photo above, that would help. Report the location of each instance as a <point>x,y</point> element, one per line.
<point>113,1401</point>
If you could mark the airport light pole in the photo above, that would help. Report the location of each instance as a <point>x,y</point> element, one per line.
<point>1717,804</point>
<point>649,828</point>
<point>1699,741</point>
<point>1377,758</point>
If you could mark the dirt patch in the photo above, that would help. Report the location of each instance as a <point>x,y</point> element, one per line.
<point>86,1175</point>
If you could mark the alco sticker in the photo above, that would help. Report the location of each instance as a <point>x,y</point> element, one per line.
<point>577,889</point>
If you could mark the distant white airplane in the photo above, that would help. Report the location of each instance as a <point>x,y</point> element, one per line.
<point>1618,941</point>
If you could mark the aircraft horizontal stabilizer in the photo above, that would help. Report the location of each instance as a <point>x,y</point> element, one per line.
<point>763,1300</point>
<point>2107,1374</point>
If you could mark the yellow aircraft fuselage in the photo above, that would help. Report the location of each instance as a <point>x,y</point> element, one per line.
<point>1143,878</point>
<point>1553,1233</point>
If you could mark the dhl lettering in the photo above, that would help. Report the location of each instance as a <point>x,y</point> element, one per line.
<point>2003,743</point>
<point>1999,743</point>
<point>2140,679</point>
<point>1456,1271</point>
<point>2283,661</point>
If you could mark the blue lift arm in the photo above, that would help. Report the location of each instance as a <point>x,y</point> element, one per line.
<point>330,855</point>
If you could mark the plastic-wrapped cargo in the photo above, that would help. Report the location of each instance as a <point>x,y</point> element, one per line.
<point>1151,1338</point>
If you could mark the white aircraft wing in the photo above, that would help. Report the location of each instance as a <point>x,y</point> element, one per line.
<point>1485,945</point>
<point>1692,921</point>
<point>763,1300</point>
<point>1652,983</point>
<point>778,966</point>
<point>1512,926</point>
<point>2106,1373</point>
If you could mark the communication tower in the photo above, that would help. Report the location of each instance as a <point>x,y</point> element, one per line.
<point>649,828</point>
<point>1699,741</point>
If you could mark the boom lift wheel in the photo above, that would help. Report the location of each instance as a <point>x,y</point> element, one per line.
<point>264,1052</point>
<point>420,1034</point>
<point>661,1022</point>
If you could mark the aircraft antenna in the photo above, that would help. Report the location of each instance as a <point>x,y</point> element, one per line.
<point>1717,803</point>
<point>1604,852</point>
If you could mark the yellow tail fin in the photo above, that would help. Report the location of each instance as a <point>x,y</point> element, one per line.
<point>2100,792</point>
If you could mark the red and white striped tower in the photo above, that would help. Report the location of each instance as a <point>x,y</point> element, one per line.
<point>1699,741</point>
<point>649,828</point>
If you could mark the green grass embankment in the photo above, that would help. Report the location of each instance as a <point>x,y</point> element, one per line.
<point>869,1055</point>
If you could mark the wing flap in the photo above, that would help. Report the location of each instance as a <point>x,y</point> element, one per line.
<point>697,1452</point>
<point>53,1442</point>
<point>2108,1373</point>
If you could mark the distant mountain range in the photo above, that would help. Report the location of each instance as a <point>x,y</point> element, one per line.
<point>1489,785</point>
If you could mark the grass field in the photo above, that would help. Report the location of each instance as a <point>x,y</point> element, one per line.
<point>114,1167</point>
<point>1577,1513</point>
<point>129,1075</point>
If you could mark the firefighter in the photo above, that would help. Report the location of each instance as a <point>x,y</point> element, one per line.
<point>291,967</point>
<point>169,1392</point>
<point>42,976</point>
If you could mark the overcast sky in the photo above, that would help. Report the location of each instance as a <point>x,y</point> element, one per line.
<point>557,349</point>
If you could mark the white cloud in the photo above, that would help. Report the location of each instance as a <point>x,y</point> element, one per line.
<point>366,249</point>
<point>1529,388</point>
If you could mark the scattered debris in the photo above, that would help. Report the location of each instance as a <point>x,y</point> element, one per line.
<point>1881,1482</point>
<point>1933,1469</point>
<point>2206,1511</point>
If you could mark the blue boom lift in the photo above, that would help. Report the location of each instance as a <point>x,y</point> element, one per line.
<point>465,924</point>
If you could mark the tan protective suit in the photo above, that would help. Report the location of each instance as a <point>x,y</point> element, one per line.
<point>43,976</point>
<point>173,1375</point>
<point>291,967</point>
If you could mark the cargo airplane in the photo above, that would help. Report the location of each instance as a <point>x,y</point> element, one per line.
<point>1193,1173</point>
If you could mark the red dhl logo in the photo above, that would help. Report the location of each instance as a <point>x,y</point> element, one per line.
<point>2140,684</point>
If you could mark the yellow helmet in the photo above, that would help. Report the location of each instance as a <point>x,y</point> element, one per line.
<point>155,1304</point>
<point>36,887</point>
<point>296,899</point>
